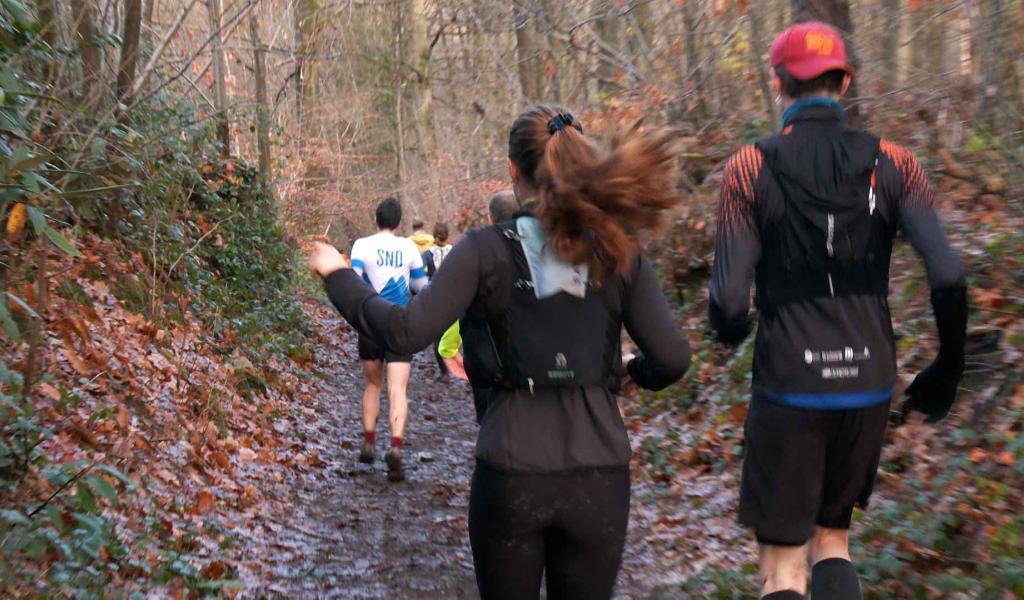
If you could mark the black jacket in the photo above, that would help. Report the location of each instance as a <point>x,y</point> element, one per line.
<point>553,429</point>
<point>825,338</point>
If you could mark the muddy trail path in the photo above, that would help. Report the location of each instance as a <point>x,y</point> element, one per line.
<point>343,531</point>
<point>346,532</point>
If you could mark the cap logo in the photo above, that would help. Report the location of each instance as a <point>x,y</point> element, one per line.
<point>820,43</point>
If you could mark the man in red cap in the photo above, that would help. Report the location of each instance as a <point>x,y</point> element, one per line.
<point>810,214</point>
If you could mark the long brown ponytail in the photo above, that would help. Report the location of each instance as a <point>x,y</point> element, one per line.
<point>593,202</point>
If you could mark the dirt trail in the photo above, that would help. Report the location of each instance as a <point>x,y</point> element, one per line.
<point>345,532</point>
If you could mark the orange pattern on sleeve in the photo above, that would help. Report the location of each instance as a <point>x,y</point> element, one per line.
<point>741,174</point>
<point>916,189</point>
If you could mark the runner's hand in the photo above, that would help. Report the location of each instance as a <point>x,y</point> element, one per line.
<point>932,392</point>
<point>456,367</point>
<point>627,387</point>
<point>325,259</point>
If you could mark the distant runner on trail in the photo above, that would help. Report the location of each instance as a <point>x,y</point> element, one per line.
<point>392,266</point>
<point>542,301</point>
<point>502,207</point>
<point>810,214</point>
<point>432,259</point>
<point>420,237</point>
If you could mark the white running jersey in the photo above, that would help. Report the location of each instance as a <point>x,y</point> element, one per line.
<point>390,264</point>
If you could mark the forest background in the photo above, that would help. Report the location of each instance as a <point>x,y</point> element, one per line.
<point>162,159</point>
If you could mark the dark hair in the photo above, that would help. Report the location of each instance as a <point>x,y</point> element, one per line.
<point>503,206</point>
<point>829,82</point>
<point>594,202</point>
<point>440,232</point>
<point>389,213</point>
<point>417,224</point>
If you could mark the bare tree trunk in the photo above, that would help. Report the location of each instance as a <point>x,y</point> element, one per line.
<point>553,54</point>
<point>158,50</point>
<point>837,14</point>
<point>641,29</point>
<point>692,50</point>
<point>259,60</point>
<point>782,16</point>
<point>420,48</point>
<point>306,26</point>
<point>49,30</point>
<point>129,50</point>
<point>399,92</point>
<point>937,44</point>
<point>998,79</point>
<point>527,50</point>
<point>297,52</point>
<point>147,16</point>
<point>84,13</point>
<point>219,91</point>
<point>609,30</point>
<point>757,63</point>
<point>890,16</point>
<point>926,53</point>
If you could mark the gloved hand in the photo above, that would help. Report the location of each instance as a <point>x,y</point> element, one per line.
<point>933,391</point>
<point>731,332</point>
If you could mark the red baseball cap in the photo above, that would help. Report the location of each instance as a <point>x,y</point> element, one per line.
<point>809,49</point>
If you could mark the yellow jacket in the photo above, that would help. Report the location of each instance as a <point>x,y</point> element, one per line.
<point>423,240</point>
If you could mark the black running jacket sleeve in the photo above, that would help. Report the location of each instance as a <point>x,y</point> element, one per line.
<point>409,329</point>
<point>648,319</point>
<point>737,248</point>
<point>901,176</point>
<point>665,353</point>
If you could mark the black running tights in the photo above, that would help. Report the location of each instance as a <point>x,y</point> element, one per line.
<point>570,527</point>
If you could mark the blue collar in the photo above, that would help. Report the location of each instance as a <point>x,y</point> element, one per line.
<point>805,103</point>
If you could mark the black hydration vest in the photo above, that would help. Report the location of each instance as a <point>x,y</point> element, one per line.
<point>560,341</point>
<point>823,244</point>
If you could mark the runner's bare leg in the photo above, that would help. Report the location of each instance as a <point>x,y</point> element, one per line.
<point>398,400</point>
<point>373,371</point>
<point>783,568</point>
<point>829,543</point>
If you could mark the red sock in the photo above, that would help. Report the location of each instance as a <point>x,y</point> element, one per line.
<point>396,443</point>
<point>370,437</point>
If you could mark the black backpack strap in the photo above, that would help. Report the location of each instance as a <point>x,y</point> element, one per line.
<point>510,232</point>
<point>498,326</point>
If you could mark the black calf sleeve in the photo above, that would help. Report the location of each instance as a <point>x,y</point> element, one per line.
<point>834,579</point>
<point>784,595</point>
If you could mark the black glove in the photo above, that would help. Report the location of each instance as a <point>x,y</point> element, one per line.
<point>731,332</point>
<point>934,389</point>
<point>933,392</point>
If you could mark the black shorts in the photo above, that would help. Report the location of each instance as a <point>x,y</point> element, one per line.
<point>804,468</point>
<point>371,350</point>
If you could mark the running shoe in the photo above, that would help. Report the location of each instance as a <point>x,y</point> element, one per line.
<point>394,461</point>
<point>367,455</point>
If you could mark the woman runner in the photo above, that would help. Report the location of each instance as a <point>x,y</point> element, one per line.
<point>542,302</point>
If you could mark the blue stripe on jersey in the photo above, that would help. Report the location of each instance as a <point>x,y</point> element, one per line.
<point>832,401</point>
<point>396,291</point>
<point>417,273</point>
<point>358,264</point>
